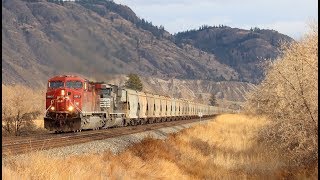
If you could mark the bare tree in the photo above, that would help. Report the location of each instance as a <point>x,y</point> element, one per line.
<point>213,100</point>
<point>289,96</point>
<point>20,105</point>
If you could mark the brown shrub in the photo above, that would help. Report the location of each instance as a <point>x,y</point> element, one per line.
<point>289,96</point>
<point>20,105</point>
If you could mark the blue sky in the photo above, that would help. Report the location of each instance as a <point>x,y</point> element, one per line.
<point>290,17</point>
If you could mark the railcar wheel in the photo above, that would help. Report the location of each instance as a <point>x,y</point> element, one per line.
<point>132,123</point>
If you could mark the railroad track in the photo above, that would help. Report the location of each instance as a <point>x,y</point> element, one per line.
<point>21,145</point>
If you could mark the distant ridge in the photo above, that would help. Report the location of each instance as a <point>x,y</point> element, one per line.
<point>243,50</point>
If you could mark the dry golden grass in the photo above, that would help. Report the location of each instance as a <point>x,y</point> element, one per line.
<point>225,148</point>
<point>39,123</point>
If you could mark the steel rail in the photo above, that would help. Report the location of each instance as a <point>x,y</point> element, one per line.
<point>14,146</point>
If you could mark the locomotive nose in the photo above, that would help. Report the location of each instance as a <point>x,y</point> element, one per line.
<point>61,102</point>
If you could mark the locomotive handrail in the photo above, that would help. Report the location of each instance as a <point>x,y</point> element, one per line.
<point>76,107</point>
<point>45,112</point>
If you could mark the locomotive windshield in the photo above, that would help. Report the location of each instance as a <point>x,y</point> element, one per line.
<point>74,84</point>
<point>106,91</point>
<point>55,84</point>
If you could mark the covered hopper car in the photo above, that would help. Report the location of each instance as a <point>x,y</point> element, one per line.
<point>74,103</point>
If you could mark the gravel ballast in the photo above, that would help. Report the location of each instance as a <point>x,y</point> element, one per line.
<point>115,145</point>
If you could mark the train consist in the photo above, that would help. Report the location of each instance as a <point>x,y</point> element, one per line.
<point>74,103</point>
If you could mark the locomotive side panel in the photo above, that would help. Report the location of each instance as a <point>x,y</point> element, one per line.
<point>87,101</point>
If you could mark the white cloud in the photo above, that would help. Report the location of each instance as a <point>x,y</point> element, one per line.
<point>294,29</point>
<point>182,24</point>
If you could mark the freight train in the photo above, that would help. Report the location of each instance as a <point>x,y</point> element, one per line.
<point>74,103</point>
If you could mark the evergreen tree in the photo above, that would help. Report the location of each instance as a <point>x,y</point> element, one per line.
<point>213,100</point>
<point>134,82</point>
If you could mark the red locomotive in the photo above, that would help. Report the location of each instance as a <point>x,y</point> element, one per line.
<point>74,103</point>
<point>68,97</point>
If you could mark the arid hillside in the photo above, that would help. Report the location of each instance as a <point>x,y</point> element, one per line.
<point>243,50</point>
<point>96,38</point>
<point>40,39</point>
<point>230,94</point>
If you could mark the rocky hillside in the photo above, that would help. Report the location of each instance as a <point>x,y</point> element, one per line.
<point>229,94</point>
<point>243,50</point>
<point>40,39</point>
<point>99,39</point>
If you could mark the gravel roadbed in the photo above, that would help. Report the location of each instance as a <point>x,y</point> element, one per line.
<point>115,145</point>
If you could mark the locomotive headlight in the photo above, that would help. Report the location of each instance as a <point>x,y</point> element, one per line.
<point>70,108</point>
<point>63,92</point>
<point>52,108</point>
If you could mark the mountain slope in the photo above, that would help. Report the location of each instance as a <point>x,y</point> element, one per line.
<point>229,94</point>
<point>243,50</point>
<point>40,39</point>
